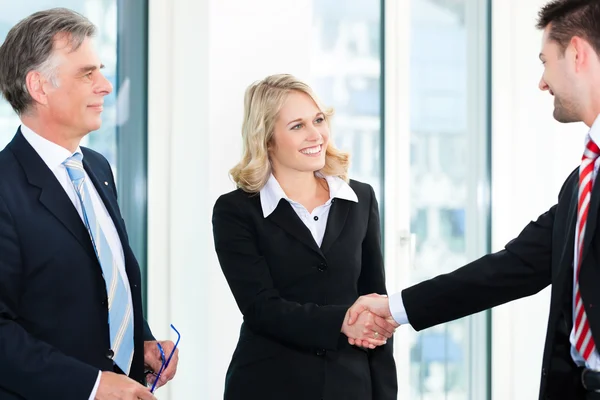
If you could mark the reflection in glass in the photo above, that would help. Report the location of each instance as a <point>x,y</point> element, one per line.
<point>345,73</point>
<point>442,189</point>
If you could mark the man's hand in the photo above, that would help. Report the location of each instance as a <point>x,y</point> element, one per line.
<point>375,303</point>
<point>153,361</point>
<point>119,387</point>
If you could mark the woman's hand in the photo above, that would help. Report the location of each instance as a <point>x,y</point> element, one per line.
<point>369,330</point>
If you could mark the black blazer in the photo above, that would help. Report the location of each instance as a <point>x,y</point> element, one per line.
<point>294,296</point>
<point>541,255</point>
<point>54,334</point>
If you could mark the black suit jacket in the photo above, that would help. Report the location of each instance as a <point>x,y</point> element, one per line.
<point>542,254</point>
<point>54,334</point>
<point>294,296</point>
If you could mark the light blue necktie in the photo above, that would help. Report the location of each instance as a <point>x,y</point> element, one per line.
<point>120,312</point>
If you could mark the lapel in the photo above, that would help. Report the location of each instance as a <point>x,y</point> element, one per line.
<point>286,218</point>
<point>109,199</point>
<point>335,223</point>
<point>98,176</point>
<point>52,194</point>
<point>567,254</point>
<point>592,218</point>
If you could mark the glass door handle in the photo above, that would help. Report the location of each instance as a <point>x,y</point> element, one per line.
<point>407,249</point>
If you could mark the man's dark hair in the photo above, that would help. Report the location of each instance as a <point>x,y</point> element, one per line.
<point>570,18</point>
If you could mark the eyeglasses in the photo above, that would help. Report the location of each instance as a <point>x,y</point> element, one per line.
<point>165,361</point>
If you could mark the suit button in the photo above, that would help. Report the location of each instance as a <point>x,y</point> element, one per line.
<point>322,267</point>
<point>104,302</point>
<point>110,354</point>
<point>321,352</point>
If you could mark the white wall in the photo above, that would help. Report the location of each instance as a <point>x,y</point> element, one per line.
<point>203,54</point>
<point>531,157</point>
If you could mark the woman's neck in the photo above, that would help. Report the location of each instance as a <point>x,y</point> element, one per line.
<point>304,188</point>
<point>298,185</point>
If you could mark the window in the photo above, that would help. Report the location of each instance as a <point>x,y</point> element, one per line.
<point>449,172</point>
<point>446,143</point>
<point>346,74</point>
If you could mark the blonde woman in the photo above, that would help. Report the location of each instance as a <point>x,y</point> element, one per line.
<point>298,243</point>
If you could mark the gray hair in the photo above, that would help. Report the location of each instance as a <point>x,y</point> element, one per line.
<point>29,46</point>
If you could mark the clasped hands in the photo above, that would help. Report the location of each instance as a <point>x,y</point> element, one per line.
<point>369,323</point>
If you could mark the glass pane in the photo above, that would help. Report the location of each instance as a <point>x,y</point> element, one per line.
<point>346,74</point>
<point>103,13</point>
<point>444,171</point>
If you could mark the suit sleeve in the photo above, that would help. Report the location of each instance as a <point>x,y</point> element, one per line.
<point>306,325</point>
<point>147,334</point>
<point>372,280</point>
<point>522,269</point>
<point>30,367</point>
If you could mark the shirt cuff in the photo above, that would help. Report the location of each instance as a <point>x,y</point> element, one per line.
<point>95,390</point>
<point>397,309</point>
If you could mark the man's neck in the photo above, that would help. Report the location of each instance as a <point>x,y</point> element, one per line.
<point>52,133</point>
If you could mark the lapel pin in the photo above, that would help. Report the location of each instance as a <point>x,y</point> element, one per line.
<point>106,183</point>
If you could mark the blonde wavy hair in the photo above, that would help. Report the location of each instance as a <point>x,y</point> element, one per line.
<point>262,102</point>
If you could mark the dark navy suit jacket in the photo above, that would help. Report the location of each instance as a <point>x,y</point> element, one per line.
<point>54,334</point>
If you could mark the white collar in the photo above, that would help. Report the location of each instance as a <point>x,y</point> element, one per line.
<point>272,193</point>
<point>52,154</point>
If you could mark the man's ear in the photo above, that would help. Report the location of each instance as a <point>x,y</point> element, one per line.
<point>580,52</point>
<point>35,86</point>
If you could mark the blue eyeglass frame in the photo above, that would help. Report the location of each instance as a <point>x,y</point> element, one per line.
<point>165,361</point>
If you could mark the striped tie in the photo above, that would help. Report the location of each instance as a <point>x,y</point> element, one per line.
<point>584,342</point>
<point>120,312</point>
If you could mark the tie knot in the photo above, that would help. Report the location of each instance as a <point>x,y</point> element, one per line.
<point>74,167</point>
<point>591,150</point>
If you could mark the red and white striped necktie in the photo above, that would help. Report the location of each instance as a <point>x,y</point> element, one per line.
<point>584,342</point>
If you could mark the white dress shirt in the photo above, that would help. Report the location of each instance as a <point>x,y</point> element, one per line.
<point>316,221</point>
<point>54,156</point>
<point>399,312</point>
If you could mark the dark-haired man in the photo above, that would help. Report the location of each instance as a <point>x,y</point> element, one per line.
<point>561,248</point>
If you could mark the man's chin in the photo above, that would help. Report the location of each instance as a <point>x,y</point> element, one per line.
<point>565,118</point>
<point>94,126</point>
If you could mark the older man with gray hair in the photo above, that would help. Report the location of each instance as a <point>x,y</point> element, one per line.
<point>71,323</point>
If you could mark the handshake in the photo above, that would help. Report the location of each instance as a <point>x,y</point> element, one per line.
<point>369,323</point>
